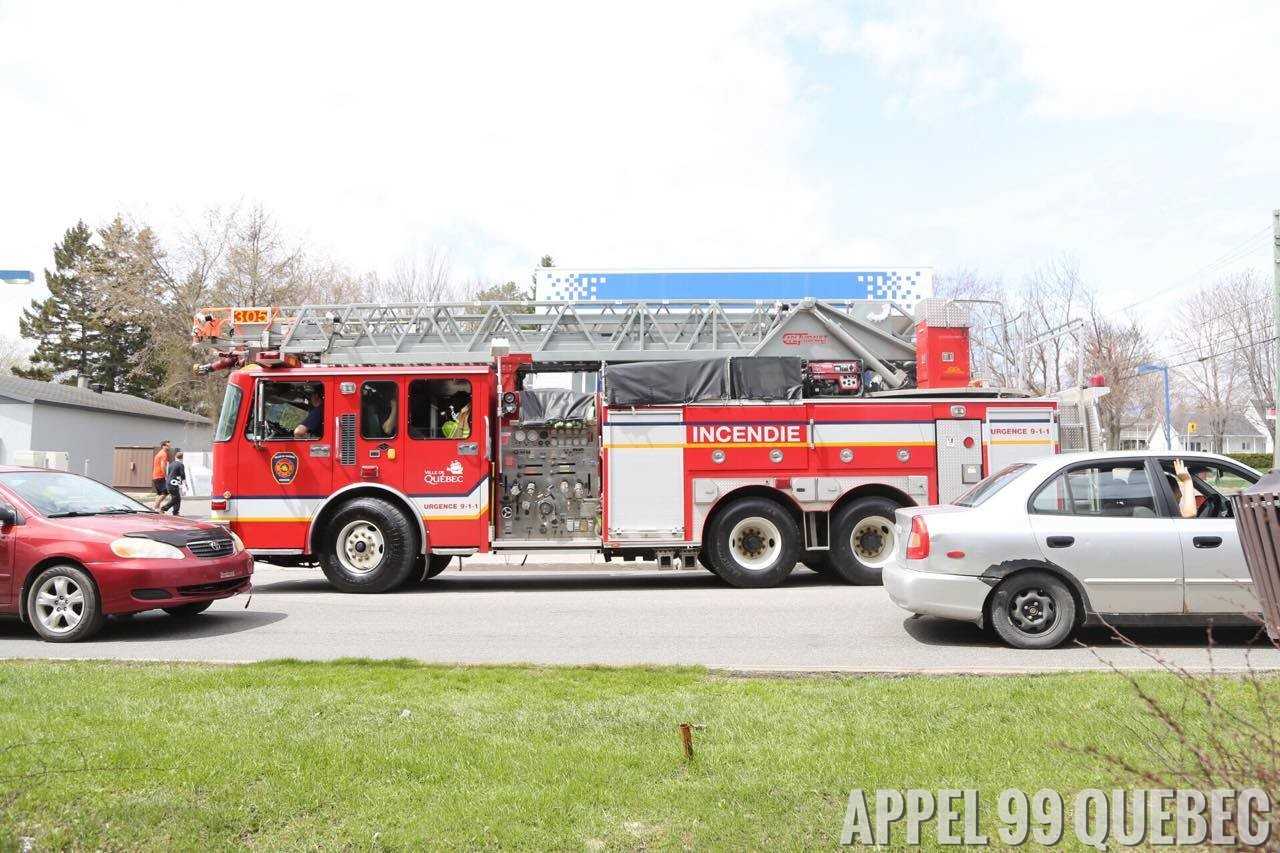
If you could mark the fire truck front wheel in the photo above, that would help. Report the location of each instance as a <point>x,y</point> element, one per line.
<point>371,546</point>
<point>862,540</point>
<point>754,543</point>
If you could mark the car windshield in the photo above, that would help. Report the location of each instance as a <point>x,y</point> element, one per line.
<point>57,494</point>
<point>988,487</point>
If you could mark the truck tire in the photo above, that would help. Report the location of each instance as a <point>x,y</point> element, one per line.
<point>369,546</point>
<point>754,543</point>
<point>863,540</point>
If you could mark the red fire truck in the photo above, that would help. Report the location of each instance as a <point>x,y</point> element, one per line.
<point>381,442</point>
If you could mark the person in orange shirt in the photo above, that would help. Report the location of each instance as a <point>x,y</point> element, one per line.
<point>159,464</point>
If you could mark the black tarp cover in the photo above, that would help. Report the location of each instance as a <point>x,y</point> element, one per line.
<point>767,377</point>
<point>651,383</point>
<point>544,405</point>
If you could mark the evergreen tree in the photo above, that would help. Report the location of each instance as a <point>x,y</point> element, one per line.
<point>64,325</point>
<point>85,326</point>
<point>122,267</point>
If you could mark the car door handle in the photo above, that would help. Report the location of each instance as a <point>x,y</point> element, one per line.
<point>1060,541</point>
<point>1206,541</point>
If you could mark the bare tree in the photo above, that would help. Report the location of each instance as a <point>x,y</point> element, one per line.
<point>261,265</point>
<point>1013,340</point>
<point>1246,301</point>
<point>424,275</point>
<point>1116,348</point>
<point>1202,337</point>
<point>227,257</point>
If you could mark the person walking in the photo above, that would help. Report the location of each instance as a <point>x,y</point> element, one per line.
<point>175,479</point>
<point>159,467</point>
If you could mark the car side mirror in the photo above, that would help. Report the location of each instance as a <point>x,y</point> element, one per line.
<point>8,516</point>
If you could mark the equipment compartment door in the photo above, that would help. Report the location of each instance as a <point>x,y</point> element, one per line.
<point>645,454</point>
<point>959,445</point>
<point>446,457</point>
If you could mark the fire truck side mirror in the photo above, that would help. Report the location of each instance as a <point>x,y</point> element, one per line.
<point>258,434</point>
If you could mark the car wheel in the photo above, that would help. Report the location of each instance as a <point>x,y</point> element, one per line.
<point>371,546</point>
<point>863,539</point>
<point>754,543</point>
<point>704,560</point>
<point>184,611</point>
<point>1033,610</point>
<point>63,605</point>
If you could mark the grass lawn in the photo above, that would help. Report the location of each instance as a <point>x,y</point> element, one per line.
<point>368,755</point>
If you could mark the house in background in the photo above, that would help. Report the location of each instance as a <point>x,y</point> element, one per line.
<point>1243,432</point>
<point>1251,430</point>
<point>89,425</point>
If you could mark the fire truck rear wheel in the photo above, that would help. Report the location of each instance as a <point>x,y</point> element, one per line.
<point>754,543</point>
<point>863,540</point>
<point>370,546</point>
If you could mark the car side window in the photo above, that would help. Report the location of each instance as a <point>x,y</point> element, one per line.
<point>1118,489</point>
<point>1213,483</point>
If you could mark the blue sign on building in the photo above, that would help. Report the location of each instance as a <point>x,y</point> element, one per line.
<point>903,285</point>
<point>16,276</point>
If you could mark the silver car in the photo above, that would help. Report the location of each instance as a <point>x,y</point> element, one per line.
<point>1042,547</point>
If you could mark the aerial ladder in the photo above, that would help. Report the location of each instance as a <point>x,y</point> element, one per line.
<point>879,335</point>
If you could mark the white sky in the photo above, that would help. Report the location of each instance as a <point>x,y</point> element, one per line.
<point>1140,137</point>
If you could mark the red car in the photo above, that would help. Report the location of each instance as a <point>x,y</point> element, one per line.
<point>73,551</point>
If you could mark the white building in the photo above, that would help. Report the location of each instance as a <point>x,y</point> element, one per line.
<point>89,425</point>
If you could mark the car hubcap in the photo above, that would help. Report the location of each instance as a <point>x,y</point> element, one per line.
<point>360,547</point>
<point>60,604</point>
<point>755,543</point>
<point>1033,611</point>
<point>872,541</point>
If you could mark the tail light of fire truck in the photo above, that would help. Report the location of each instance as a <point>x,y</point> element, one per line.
<point>918,541</point>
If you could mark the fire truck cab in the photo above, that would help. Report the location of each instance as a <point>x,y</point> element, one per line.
<point>798,451</point>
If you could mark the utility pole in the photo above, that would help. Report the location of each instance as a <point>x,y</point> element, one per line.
<point>1275,365</point>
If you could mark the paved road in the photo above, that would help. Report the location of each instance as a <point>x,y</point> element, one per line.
<point>583,615</point>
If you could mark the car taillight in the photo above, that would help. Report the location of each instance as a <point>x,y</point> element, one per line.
<point>218,504</point>
<point>918,542</point>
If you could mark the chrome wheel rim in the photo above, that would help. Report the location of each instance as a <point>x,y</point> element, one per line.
<point>755,543</point>
<point>1033,611</point>
<point>872,541</point>
<point>60,604</point>
<point>361,546</point>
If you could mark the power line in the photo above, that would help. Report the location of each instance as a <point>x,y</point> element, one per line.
<point>1208,356</point>
<point>1232,255</point>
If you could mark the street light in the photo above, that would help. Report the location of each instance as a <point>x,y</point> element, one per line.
<point>1168,415</point>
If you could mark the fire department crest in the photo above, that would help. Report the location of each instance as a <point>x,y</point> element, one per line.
<point>284,466</point>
